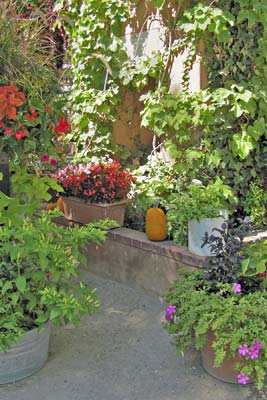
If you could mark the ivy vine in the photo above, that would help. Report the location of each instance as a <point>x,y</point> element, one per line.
<point>220,130</point>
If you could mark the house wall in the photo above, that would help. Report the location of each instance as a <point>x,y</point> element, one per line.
<point>144,34</point>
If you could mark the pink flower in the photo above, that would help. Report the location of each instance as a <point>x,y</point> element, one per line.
<point>243,350</point>
<point>242,379</point>
<point>257,345</point>
<point>236,288</point>
<point>45,158</point>
<point>53,162</point>
<point>170,310</point>
<point>253,353</point>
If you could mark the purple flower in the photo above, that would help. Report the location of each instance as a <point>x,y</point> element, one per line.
<point>242,379</point>
<point>45,158</point>
<point>170,310</point>
<point>253,353</point>
<point>257,345</point>
<point>236,288</point>
<point>243,350</point>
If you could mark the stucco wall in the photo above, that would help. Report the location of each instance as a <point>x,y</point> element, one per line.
<point>144,34</point>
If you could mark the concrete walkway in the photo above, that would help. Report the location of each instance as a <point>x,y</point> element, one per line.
<point>121,353</point>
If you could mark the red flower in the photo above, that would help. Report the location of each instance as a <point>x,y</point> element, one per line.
<point>48,108</point>
<point>8,132</point>
<point>29,117</point>
<point>20,134</point>
<point>2,125</point>
<point>53,162</point>
<point>62,126</point>
<point>32,116</point>
<point>96,182</point>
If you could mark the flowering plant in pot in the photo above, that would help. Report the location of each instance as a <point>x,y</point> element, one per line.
<point>104,186</point>
<point>39,279</point>
<point>223,309</point>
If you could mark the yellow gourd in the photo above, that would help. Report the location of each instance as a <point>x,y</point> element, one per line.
<point>156,224</point>
<point>51,206</point>
<point>60,205</point>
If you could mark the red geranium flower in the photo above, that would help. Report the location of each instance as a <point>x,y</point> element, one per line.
<point>62,126</point>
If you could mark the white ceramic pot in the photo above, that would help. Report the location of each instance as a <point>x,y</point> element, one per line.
<point>196,233</point>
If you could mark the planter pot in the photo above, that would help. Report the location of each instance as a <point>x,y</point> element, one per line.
<point>25,357</point>
<point>225,372</point>
<point>84,213</point>
<point>196,233</point>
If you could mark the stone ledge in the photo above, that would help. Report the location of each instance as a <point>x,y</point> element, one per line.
<point>129,257</point>
<point>165,248</point>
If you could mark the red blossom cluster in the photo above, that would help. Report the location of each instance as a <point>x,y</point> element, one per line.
<point>18,123</point>
<point>32,115</point>
<point>96,182</point>
<point>62,127</point>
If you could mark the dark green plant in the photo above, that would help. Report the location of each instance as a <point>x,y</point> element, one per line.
<point>227,247</point>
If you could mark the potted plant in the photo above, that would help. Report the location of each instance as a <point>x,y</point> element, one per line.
<point>222,310</point>
<point>94,191</point>
<point>39,280</point>
<point>199,209</point>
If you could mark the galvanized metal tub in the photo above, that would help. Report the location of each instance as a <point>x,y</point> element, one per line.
<point>25,357</point>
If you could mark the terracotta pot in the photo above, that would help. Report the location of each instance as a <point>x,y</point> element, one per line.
<point>79,211</point>
<point>225,372</point>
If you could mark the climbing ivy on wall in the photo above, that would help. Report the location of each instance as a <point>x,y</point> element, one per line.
<point>240,142</point>
<point>218,130</point>
<point>96,49</point>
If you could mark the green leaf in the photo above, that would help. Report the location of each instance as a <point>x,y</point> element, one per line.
<point>55,313</point>
<point>21,283</point>
<point>7,286</point>
<point>159,3</point>
<point>241,145</point>
<point>245,264</point>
